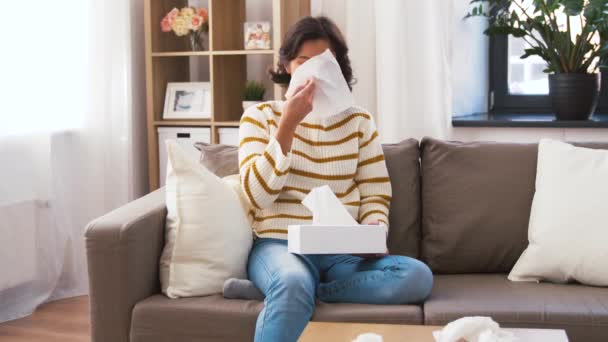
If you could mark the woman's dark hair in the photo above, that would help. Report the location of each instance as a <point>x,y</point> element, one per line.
<point>312,28</point>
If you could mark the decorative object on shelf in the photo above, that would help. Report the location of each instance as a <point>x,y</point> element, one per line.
<point>572,59</point>
<point>253,93</point>
<point>257,35</point>
<point>190,21</point>
<point>189,100</point>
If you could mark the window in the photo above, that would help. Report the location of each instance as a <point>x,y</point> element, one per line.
<point>520,85</point>
<point>43,65</point>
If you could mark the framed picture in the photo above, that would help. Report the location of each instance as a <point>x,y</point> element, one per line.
<point>189,100</point>
<point>257,35</point>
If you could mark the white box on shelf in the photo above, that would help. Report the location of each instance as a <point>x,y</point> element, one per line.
<point>229,136</point>
<point>186,137</point>
<point>362,239</point>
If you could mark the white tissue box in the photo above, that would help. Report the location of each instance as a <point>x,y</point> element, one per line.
<point>361,239</point>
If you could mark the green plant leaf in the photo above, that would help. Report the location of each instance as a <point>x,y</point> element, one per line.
<point>573,7</point>
<point>539,27</point>
<point>254,91</point>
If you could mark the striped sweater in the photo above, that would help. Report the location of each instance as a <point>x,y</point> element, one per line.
<point>342,151</point>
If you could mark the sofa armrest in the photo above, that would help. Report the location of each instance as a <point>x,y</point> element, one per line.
<point>123,251</point>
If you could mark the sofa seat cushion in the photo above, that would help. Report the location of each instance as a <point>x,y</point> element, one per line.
<point>581,310</point>
<point>214,318</point>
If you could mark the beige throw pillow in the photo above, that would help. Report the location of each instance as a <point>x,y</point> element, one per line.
<point>568,230</point>
<point>208,236</point>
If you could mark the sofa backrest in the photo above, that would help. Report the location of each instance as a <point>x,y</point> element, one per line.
<point>403,164</point>
<point>476,200</point>
<point>402,160</point>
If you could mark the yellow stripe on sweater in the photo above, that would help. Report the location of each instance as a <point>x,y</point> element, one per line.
<point>325,160</point>
<point>388,198</point>
<point>248,119</point>
<point>373,180</point>
<point>373,160</point>
<point>374,136</point>
<point>266,105</point>
<point>280,216</point>
<point>248,190</point>
<point>291,188</point>
<point>320,176</point>
<point>329,143</point>
<point>288,200</point>
<point>306,191</point>
<point>263,182</point>
<point>274,165</point>
<point>371,212</point>
<point>252,139</point>
<point>337,124</point>
<point>271,231</point>
<point>377,201</point>
<point>248,158</point>
<point>354,204</point>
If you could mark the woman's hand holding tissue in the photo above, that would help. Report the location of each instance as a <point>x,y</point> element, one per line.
<point>377,255</point>
<point>295,110</point>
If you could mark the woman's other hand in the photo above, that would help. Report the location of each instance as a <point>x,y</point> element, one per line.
<point>376,255</point>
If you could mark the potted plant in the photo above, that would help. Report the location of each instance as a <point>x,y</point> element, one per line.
<point>253,93</point>
<point>573,58</point>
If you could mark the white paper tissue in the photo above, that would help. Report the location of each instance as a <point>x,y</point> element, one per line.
<point>368,337</point>
<point>326,208</point>
<point>473,329</point>
<point>332,95</point>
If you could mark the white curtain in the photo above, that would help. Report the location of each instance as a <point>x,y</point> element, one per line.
<point>401,54</point>
<point>72,138</point>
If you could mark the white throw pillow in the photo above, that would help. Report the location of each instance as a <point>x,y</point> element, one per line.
<point>208,236</point>
<point>568,230</point>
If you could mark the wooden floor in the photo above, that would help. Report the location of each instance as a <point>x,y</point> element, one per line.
<point>65,320</point>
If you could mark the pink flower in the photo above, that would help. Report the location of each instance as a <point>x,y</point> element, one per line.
<point>165,25</point>
<point>204,14</point>
<point>196,23</point>
<point>171,15</point>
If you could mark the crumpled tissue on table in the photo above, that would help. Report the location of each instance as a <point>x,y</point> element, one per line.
<point>332,95</point>
<point>473,329</point>
<point>368,337</point>
<point>326,208</point>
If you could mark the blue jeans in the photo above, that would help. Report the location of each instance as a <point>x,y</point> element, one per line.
<point>291,281</point>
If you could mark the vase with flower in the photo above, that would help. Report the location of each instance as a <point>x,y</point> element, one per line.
<point>188,21</point>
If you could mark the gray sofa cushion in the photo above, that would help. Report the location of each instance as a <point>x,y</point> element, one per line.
<point>214,318</point>
<point>219,159</point>
<point>402,162</point>
<point>476,200</point>
<point>581,310</point>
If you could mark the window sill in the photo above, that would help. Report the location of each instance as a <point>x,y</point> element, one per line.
<point>526,120</point>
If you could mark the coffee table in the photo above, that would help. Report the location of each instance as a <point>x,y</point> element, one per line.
<point>346,332</point>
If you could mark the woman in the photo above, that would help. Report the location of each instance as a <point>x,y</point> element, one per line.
<point>284,152</point>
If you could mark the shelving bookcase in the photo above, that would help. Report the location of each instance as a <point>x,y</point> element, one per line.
<point>167,60</point>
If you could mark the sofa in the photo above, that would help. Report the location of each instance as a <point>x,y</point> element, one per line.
<point>462,208</point>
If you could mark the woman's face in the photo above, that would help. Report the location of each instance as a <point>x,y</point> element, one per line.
<point>309,49</point>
